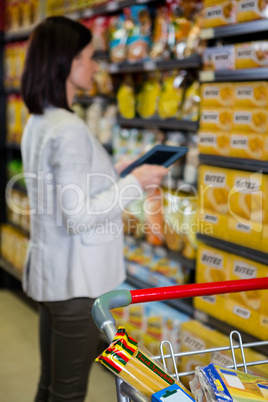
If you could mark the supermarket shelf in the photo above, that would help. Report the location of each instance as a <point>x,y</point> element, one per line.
<point>242,251</point>
<point>186,262</point>
<point>12,91</point>
<point>151,65</point>
<point>12,146</point>
<point>168,124</point>
<point>10,269</point>
<point>185,305</point>
<point>19,35</point>
<point>111,7</point>
<point>234,163</point>
<point>88,100</point>
<point>226,328</point>
<point>247,74</point>
<point>24,232</point>
<point>235,30</point>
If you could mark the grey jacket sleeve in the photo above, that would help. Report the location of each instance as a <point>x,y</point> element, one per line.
<point>87,189</point>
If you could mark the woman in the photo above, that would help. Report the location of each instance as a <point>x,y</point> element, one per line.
<point>76,200</point>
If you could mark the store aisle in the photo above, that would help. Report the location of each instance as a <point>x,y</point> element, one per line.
<point>19,359</point>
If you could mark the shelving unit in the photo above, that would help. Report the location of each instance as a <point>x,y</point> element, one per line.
<point>247,74</point>
<point>10,269</point>
<point>2,137</point>
<point>235,30</point>
<point>234,163</point>
<point>233,248</point>
<point>151,65</point>
<point>168,124</point>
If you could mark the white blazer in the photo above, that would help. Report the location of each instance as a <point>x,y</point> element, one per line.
<point>76,200</point>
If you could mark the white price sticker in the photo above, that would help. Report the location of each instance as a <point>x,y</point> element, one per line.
<point>207,33</point>
<point>113,68</point>
<point>149,66</point>
<point>207,76</point>
<point>112,6</point>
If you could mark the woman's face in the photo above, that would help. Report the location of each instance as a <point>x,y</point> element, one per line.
<point>82,69</point>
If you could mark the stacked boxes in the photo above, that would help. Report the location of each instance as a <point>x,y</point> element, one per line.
<point>225,12</point>
<point>196,336</point>
<point>233,206</point>
<point>234,120</point>
<point>244,310</point>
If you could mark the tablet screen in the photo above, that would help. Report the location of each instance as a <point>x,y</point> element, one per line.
<point>159,157</point>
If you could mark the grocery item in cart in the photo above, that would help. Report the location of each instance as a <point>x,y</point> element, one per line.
<point>133,363</point>
<point>216,383</point>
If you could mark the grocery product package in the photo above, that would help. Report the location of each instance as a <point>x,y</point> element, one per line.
<point>134,365</point>
<point>171,94</point>
<point>147,98</point>
<point>139,23</point>
<point>220,58</point>
<point>251,10</point>
<point>215,383</point>
<point>126,98</point>
<point>218,13</point>
<point>160,48</point>
<point>118,35</point>
<point>190,107</point>
<point>252,54</point>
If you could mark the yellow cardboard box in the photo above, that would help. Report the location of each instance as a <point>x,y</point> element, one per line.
<point>246,234</point>
<point>214,187</point>
<point>212,264</point>
<point>248,10</point>
<point>247,145</point>
<point>216,119</point>
<point>251,94</point>
<point>221,13</point>
<point>213,224</point>
<point>245,319</point>
<point>242,268</point>
<point>246,198</point>
<point>250,120</point>
<point>219,58</point>
<point>217,95</point>
<point>252,55</point>
<point>214,142</point>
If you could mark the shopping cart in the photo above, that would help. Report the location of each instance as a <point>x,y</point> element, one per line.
<point>122,298</point>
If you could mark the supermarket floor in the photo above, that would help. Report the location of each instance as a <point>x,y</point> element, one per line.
<point>19,357</point>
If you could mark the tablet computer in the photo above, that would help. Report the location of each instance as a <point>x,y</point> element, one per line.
<point>164,155</point>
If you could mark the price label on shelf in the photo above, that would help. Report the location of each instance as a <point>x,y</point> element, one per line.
<point>112,6</point>
<point>149,66</point>
<point>207,33</point>
<point>88,13</point>
<point>113,68</point>
<point>207,76</point>
<point>200,316</point>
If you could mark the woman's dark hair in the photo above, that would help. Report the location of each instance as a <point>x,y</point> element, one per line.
<point>54,43</point>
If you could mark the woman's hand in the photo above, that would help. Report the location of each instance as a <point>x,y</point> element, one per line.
<point>150,176</point>
<point>122,164</point>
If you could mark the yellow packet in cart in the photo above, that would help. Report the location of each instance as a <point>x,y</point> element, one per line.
<point>134,365</point>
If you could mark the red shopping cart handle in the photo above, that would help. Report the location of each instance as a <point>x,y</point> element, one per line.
<point>122,298</point>
<point>197,289</point>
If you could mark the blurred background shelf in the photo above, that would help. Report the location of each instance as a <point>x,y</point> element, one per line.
<point>230,31</point>
<point>234,163</point>
<point>169,124</point>
<point>247,74</point>
<point>233,248</point>
<point>9,268</point>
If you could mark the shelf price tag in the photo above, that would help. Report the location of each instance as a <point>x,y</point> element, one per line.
<point>207,33</point>
<point>149,65</point>
<point>200,316</point>
<point>112,6</point>
<point>88,13</point>
<point>113,68</point>
<point>207,76</point>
